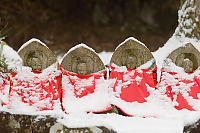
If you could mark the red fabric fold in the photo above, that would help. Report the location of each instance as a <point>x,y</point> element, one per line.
<point>77,81</point>
<point>132,84</point>
<point>185,89</point>
<point>40,92</point>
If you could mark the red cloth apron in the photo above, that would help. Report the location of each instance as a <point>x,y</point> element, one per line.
<point>180,88</point>
<point>131,84</point>
<point>40,91</point>
<point>79,87</point>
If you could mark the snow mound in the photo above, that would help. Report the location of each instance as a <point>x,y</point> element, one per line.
<point>10,57</point>
<point>105,57</point>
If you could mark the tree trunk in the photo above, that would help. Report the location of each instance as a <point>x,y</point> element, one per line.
<point>188,18</point>
<point>189,26</point>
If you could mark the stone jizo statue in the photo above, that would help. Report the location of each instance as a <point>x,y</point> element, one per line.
<point>132,54</point>
<point>82,60</point>
<point>187,57</point>
<point>37,55</point>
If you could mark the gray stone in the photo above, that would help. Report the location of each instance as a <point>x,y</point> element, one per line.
<point>37,56</point>
<point>193,128</point>
<point>187,57</point>
<point>59,128</point>
<point>131,54</point>
<point>15,123</point>
<point>82,61</point>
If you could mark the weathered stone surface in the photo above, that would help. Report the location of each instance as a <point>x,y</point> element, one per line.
<point>59,128</point>
<point>12,123</point>
<point>37,56</point>
<point>194,128</point>
<point>187,57</point>
<point>82,61</point>
<point>131,54</point>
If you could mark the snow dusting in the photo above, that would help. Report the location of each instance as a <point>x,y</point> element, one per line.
<point>130,38</point>
<point>9,57</point>
<point>78,46</point>
<point>30,41</point>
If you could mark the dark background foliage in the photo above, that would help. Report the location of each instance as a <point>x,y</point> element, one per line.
<point>102,24</point>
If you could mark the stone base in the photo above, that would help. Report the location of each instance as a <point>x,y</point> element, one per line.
<point>12,123</point>
<point>194,128</point>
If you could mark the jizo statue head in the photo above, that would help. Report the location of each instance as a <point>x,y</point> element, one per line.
<point>187,57</point>
<point>131,62</point>
<point>35,63</point>
<point>82,60</point>
<point>81,68</point>
<point>132,54</point>
<point>184,62</point>
<point>37,55</point>
<point>187,65</point>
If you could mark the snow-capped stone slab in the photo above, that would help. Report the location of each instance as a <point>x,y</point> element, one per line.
<point>187,57</point>
<point>82,60</point>
<point>36,55</point>
<point>132,54</point>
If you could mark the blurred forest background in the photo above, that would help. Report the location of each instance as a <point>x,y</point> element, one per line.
<point>102,24</point>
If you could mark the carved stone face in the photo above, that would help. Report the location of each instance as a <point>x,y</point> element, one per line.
<point>81,69</point>
<point>131,62</point>
<point>35,63</point>
<point>185,62</point>
<point>187,65</point>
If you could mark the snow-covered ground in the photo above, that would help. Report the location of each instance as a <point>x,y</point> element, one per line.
<point>123,124</point>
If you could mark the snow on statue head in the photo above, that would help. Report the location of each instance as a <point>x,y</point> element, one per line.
<point>36,55</point>
<point>132,54</point>
<point>187,57</point>
<point>82,60</point>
